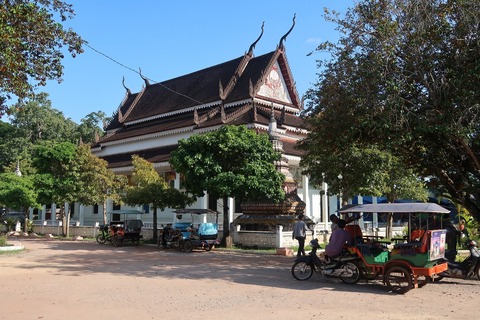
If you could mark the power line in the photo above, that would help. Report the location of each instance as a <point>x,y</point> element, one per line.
<point>137,72</point>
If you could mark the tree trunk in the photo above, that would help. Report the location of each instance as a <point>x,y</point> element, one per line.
<point>64,219</point>
<point>227,239</point>
<point>155,230</point>
<point>67,227</point>
<point>389,227</point>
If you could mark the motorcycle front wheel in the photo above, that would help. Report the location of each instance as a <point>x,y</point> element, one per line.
<point>350,273</point>
<point>101,238</point>
<point>302,270</point>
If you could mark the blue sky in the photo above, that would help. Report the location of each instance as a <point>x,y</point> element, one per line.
<point>167,39</point>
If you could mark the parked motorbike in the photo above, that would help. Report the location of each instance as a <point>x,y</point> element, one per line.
<point>170,239</point>
<point>343,267</point>
<point>104,234</point>
<point>461,269</point>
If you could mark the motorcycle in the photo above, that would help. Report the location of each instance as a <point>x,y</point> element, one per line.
<point>170,239</point>
<point>460,269</point>
<point>343,267</point>
<point>104,234</point>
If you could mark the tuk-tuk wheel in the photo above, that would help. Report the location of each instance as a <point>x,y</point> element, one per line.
<point>116,241</point>
<point>398,279</point>
<point>187,246</point>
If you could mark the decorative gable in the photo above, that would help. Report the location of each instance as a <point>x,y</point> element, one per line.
<point>274,86</point>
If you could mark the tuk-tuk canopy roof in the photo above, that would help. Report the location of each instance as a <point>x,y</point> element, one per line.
<point>395,208</point>
<point>126,212</point>
<point>195,211</point>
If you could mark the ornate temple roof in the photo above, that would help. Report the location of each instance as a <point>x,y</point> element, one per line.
<point>243,90</point>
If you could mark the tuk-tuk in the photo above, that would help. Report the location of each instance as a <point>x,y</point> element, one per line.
<point>414,259</point>
<point>124,226</point>
<point>186,237</point>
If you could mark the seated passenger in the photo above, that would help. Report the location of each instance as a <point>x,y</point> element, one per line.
<point>339,238</point>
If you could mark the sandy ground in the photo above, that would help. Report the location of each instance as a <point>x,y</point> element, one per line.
<point>54,279</point>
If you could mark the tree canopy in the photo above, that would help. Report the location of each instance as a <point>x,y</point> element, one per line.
<point>57,177</point>
<point>17,192</point>
<point>95,181</point>
<point>403,79</point>
<point>231,162</point>
<point>148,187</point>
<point>31,45</point>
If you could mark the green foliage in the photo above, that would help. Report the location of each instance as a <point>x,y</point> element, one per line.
<point>149,187</point>
<point>33,122</point>
<point>17,192</point>
<point>36,121</point>
<point>10,223</point>
<point>96,183</point>
<point>404,79</point>
<point>32,40</point>
<point>471,226</point>
<point>3,240</point>
<point>89,129</point>
<point>29,226</point>
<point>230,162</point>
<point>58,176</point>
<point>145,174</point>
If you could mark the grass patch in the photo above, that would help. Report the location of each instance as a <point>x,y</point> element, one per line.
<point>10,252</point>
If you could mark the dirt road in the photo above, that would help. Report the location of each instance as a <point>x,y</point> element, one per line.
<point>76,280</point>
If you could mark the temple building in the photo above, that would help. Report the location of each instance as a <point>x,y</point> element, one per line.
<point>249,90</point>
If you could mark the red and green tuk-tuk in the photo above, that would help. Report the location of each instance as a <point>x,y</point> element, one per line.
<point>414,259</point>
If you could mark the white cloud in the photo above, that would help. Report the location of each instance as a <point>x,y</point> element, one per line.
<point>314,40</point>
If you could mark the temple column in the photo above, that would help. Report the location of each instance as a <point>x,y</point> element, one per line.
<point>231,209</point>
<point>360,221</point>
<point>375,214</point>
<point>81,214</point>
<point>306,197</point>
<point>43,214</point>
<point>176,182</point>
<point>53,214</point>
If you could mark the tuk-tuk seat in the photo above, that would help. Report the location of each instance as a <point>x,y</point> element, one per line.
<point>133,225</point>
<point>356,234</point>
<point>417,244</point>
<point>421,238</point>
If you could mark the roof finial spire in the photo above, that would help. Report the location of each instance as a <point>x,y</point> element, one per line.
<point>284,38</point>
<point>252,46</point>
<point>147,83</point>
<point>128,90</point>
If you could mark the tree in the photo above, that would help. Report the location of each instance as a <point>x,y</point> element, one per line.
<point>30,51</point>
<point>17,192</point>
<point>33,122</point>
<point>96,183</point>
<point>89,129</point>
<point>37,121</point>
<point>149,187</point>
<point>58,176</point>
<point>404,79</point>
<point>230,162</point>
